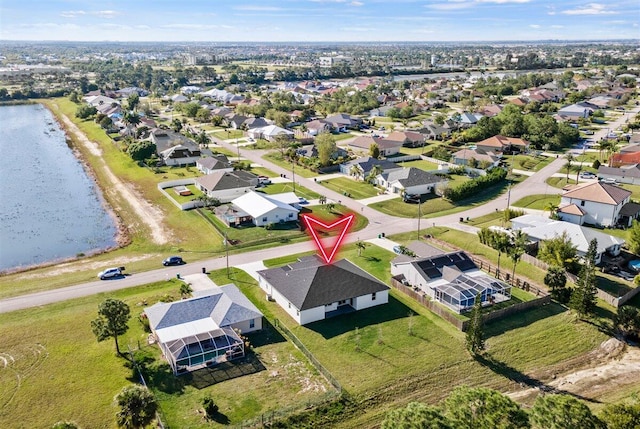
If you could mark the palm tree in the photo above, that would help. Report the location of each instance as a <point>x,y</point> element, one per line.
<point>570,158</point>
<point>361,245</point>
<point>551,207</point>
<point>501,243</point>
<point>518,245</point>
<point>373,173</point>
<point>202,138</point>
<point>131,120</point>
<point>185,290</point>
<point>355,171</point>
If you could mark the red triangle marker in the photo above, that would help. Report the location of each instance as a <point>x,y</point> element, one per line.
<point>328,246</point>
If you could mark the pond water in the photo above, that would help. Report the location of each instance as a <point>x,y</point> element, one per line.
<point>49,207</point>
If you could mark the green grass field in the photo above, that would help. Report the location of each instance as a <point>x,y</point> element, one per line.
<point>276,158</point>
<point>229,134</point>
<point>301,191</point>
<point>561,182</point>
<point>357,189</point>
<point>527,162</point>
<point>537,202</point>
<point>419,163</point>
<point>68,375</point>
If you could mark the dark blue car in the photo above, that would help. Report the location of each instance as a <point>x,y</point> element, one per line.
<point>173,260</point>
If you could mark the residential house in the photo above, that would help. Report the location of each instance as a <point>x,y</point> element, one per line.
<point>381,111</point>
<point>624,174</point>
<point>624,159</point>
<point>175,149</point>
<point>539,228</point>
<point>311,290</point>
<point>363,144</point>
<point>234,121</point>
<point>407,138</point>
<point>211,164</point>
<point>466,157</point>
<point>451,279</point>
<point>262,209</point>
<point>99,100</point>
<point>468,119</point>
<point>594,203</point>
<point>318,126</point>
<point>343,121</point>
<point>311,151</point>
<point>203,330</point>
<point>251,123</point>
<point>361,167</point>
<point>501,144</point>
<point>491,110</point>
<point>270,133</point>
<point>227,185</point>
<point>576,111</point>
<point>409,181</point>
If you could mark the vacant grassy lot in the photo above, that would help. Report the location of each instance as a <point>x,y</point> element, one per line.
<point>421,164</point>
<point>67,375</point>
<point>301,191</point>
<point>537,202</point>
<point>560,182</point>
<point>357,189</point>
<point>491,219</point>
<point>527,162</point>
<point>277,159</point>
<point>229,134</point>
<point>261,171</point>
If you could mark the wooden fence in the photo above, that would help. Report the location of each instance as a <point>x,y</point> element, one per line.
<point>461,324</point>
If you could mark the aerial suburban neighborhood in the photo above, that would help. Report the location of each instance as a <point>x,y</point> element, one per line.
<point>156,269</point>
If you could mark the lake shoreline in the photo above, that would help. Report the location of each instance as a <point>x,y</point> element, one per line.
<point>74,142</point>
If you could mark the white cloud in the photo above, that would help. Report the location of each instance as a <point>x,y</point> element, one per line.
<point>108,14</point>
<point>356,3</point>
<point>534,26</point>
<point>589,9</point>
<point>455,5</point>
<point>72,13</point>
<point>503,1</point>
<point>190,26</point>
<point>257,8</point>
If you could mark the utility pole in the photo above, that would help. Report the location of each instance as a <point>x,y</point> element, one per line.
<point>293,173</point>
<point>419,216</point>
<point>226,249</point>
<point>238,149</point>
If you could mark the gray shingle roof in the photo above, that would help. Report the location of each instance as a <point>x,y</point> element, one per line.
<point>411,177</point>
<point>313,285</point>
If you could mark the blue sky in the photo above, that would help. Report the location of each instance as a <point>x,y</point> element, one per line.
<point>318,20</point>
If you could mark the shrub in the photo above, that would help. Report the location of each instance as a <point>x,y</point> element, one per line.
<point>471,187</point>
<point>210,407</point>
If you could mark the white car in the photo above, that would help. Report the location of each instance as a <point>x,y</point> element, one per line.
<point>110,273</point>
<point>587,175</point>
<point>609,180</point>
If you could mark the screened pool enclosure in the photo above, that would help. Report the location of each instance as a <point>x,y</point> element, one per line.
<point>460,293</point>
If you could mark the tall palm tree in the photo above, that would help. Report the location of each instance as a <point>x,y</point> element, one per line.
<point>361,245</point>
<point>500,243</point>
<point>518,246</point>
<point>373,173</point>
<point>202,138</point>
<point>131,120</point>
<point>570,158</point>
<point>355,171</point>
<point>551,207</point>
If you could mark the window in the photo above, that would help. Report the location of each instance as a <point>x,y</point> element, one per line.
<point>264,219</point>
<point>252,324</point>
<point>290,214</point>
<point>289,305</point>
<point>373,296</point>
<point>582,203</point>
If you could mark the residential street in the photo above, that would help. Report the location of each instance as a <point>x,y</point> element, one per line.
<point>378,223</point>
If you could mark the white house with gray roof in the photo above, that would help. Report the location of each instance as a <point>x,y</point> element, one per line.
<point>203,330</point>
<point>311,290</point>
<point>267,209</point>
<point>411,181</point>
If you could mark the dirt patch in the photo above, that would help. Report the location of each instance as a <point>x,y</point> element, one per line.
<point>148,214</point>
<point>603,370</point>
<point>75,266</point>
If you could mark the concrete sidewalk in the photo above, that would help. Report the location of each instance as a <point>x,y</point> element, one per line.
<point>252,268</point>
<point>199,281</point>
<point>384,243</point>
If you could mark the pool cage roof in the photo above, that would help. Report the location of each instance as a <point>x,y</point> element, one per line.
<point>198,349</point>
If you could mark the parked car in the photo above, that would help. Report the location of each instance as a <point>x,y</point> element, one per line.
<point>609,180</point>
<point>589,132</point>
<point>410,198</point>
<point>110,273</point>
<point>303,200</point>
<point>587,175</point>
<point>173,260</point>
<point>397,249</point>
<point>264,180</point>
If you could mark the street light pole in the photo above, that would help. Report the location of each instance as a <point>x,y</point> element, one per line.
<point>226,248</point>
<point>293,173</point>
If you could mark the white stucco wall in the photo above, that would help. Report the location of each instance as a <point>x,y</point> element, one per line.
<point>597,213</point>
<point>366,301</point>
<point>311,315</point>
<point>245,326</point>
<point>226,195</point>
<point>275,216</point>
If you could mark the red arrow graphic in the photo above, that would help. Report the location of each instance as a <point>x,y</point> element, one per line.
<point>332,244</point>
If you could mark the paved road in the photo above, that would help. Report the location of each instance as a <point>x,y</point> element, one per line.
<point>378,223</point>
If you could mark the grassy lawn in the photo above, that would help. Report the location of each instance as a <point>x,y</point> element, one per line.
<point>491,219</point>
<point>420,163</point>
<point>301,191</point>
<point>432,205</point>
<point>73,377</point>
<point>181,199</point>
<point>560,182</point>
<point>261,171</point>
<point>342,136</point>
<point>262,144</point>
<point>613,285</point>
<point>635,190</point>
<point>229,134</point>
<point>537,202</point>
<point>276,158</point>
<point>527,162</point>
<point>357,189</point>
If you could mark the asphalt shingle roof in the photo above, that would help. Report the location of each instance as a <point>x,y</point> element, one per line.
<point>599,192</point>
<point>312,284</point>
